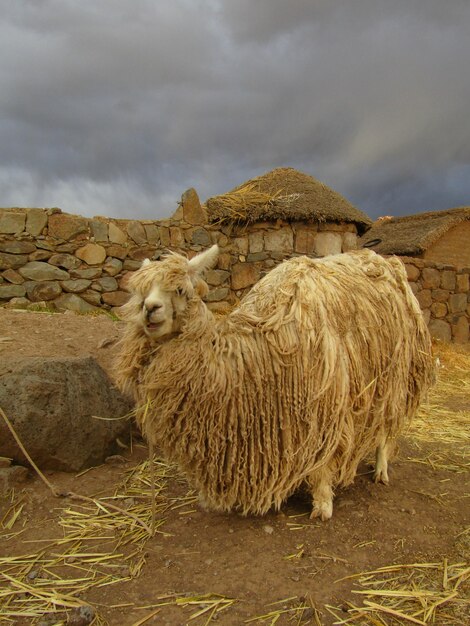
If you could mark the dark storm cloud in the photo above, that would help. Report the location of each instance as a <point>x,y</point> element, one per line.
<point>117,107</point>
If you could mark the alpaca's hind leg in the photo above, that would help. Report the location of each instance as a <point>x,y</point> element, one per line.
<point>381,462</point>
<point>322,492</point>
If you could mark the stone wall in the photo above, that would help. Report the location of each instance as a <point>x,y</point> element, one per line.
<point>443,292</point>
<point>55,260</point>
<point>60,261</point>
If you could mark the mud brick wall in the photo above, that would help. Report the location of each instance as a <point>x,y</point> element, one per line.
<point>443,292</point>
<point>60,261</point>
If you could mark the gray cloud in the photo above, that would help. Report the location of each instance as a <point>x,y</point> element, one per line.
<point>117,108</point>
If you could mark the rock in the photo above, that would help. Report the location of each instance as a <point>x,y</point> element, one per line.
<point>349,242</point>
<point>430,278</point>
<point>255,242</point>
<point>13,277</point>
<point>240,245</point>
<point>64,226</point>
<point>424,298</point>
<point>40,255</point>
<point>281,240</point>
<point>99,230</point>
<point>440,330</point>
<point>67,261</point>
<point>51,403</point>
<point>164,237</point>
<point>305,241</point>
<point>139,254</point>
<point>8,291</point>
<point>89,273</point>
<point>412,272</point>
<point>12,261</point>
<point>36,221</point>
<point>81,616</point>
<point>115,298</point>
<point>136,232</point>
<point>17,303</point>
<point>43,291</point>
<point>193,212</point>
<point>115,234</point>
<point>75,286</point>
<point>215,295</point>
<point>12,477</point>
<point>92,297</point>
<point>216,277</point>
<point>463,283</point>
<point>119,252</point>
<point>439,309</point>
<point>200,237</point>
<point>106,283</point>
<point>38,270</point>
<point>72,302</point>
<point>11,222</point>
<point>268,529</point>
<point>91,253</point>
<point>152,234</point>
<point>176,237</point>
<point>440,295</point>
<point>224,261</point>
<point>112,266</point>
<point>460,330</point>
<point>17,247</point>
<point>448,280</point>
<point>131,265</point>
<point>457,302</point>
<point>328,243</point>
<point>244,275</point>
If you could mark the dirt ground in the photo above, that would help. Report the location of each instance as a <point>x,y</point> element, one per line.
<point>283,566</point>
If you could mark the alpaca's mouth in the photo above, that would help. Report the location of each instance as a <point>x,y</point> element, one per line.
<point>154,325</point>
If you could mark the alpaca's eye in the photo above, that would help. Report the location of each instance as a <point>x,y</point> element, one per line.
<point>179,291</point>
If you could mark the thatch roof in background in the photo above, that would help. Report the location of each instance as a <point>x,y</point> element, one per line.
<point>414,234</point>
<point>284,193</point>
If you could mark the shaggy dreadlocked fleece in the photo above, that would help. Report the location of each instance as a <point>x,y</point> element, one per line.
<point>322,360</point>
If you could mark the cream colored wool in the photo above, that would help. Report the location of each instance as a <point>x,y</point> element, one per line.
<point>322,361</point>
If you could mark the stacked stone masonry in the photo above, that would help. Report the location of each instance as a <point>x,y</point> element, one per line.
<point>53,260</point>
<point>443,293</point>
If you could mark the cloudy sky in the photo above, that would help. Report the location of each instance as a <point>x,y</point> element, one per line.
<point>115,107</point>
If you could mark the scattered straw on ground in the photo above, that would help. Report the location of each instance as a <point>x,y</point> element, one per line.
<point>100,546</point>
<point>445,417</point>
<point>418,593</point>
<point>297,610</point>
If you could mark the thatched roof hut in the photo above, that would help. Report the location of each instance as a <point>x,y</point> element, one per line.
<point>287,194</point>
<point>441,236</point>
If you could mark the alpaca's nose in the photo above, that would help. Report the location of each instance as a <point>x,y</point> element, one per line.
<point>152,308</point>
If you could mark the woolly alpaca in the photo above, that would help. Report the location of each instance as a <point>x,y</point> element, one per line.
<point>323,361</point>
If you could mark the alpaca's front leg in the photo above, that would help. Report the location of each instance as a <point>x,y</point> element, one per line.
<point>381,462</point>
<point>322,493</point>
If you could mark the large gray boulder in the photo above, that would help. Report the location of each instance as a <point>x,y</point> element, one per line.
<point>51,403</point>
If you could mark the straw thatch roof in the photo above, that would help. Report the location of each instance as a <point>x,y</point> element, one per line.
<point>414,234</point>
<point>284,193</point>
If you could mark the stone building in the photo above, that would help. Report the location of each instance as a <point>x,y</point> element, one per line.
<point>438,236</point>
<point>280,214</point>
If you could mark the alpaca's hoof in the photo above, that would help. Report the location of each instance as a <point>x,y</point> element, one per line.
<point>381,476</point>
<point>323,510</point>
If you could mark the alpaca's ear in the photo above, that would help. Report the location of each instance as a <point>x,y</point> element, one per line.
<point>145,262</point>
<point>205,260</point>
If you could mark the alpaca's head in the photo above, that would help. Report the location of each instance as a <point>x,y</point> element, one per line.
<point>161,289</point>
